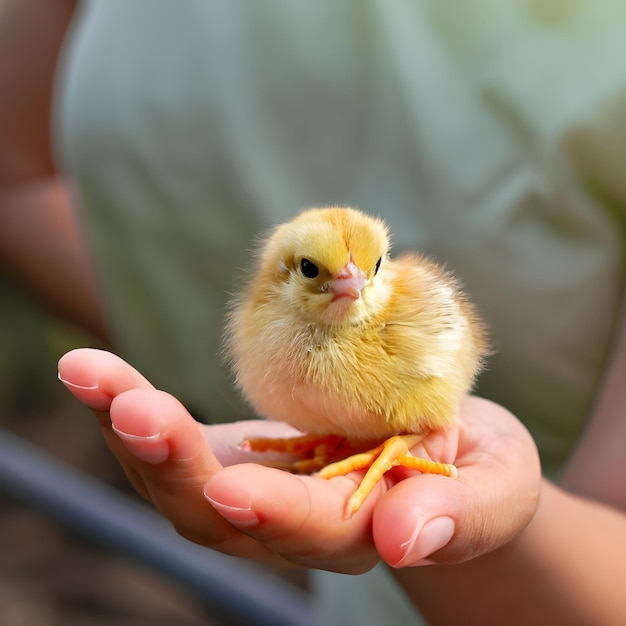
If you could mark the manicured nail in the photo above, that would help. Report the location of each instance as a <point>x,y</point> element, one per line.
<point>432,536</point>
<point>149,448</point>
<point>242,516</point>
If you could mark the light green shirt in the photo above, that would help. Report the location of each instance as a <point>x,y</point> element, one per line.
<point>489,134</point>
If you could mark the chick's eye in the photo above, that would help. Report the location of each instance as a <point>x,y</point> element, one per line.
<point>308,268</point>
<point>376,268</point>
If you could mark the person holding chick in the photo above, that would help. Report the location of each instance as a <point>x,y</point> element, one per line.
<point>489,136</point>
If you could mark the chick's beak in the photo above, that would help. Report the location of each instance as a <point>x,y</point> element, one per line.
<point>349,283</point>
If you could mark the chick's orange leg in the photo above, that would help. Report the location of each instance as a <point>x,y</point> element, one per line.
<point>310,452</point>
<point>394,452</point>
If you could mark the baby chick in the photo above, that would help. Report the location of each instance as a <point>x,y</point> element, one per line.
<point>337,339</point>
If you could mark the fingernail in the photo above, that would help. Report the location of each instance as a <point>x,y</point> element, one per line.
<point>432,536</point>
<point>67,383</point>
<point>242,516</point>
<point>149,448</point>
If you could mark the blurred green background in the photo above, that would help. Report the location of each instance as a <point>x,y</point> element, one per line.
<point>31,342</point>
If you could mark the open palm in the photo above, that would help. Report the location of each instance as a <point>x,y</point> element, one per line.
<point>197,476</point>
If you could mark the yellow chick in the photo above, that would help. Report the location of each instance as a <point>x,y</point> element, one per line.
<point>337,339</point>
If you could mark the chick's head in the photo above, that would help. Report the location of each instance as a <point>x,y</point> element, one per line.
<point>325,265</point>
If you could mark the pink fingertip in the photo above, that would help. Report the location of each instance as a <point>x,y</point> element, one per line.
<point>72,385</point>
<point>88,393</point>
<point>241,516</point>
<point>426,540</point>
<point>150,448</point>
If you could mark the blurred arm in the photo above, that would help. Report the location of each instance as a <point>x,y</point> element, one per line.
<point>597,468</point>
<point>40,243</point>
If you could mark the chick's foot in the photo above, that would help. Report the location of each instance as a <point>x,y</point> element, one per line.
<point>394,452</point>
<point>303,454</point>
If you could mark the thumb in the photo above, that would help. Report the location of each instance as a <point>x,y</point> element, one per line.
<point>426,519</point>
<point>429,519</point>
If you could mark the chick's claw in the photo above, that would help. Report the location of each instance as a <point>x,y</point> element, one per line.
<point>394,452</point>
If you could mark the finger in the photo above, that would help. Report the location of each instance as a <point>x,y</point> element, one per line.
<point>166,449</point>
<point>418,519</point>
<point>433,519</point>
<point>95,377</point>
<point>158,444</point>
<point>174,461</point>
<point>298,517</point>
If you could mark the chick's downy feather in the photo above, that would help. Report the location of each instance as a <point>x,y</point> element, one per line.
<point>333,336</point>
